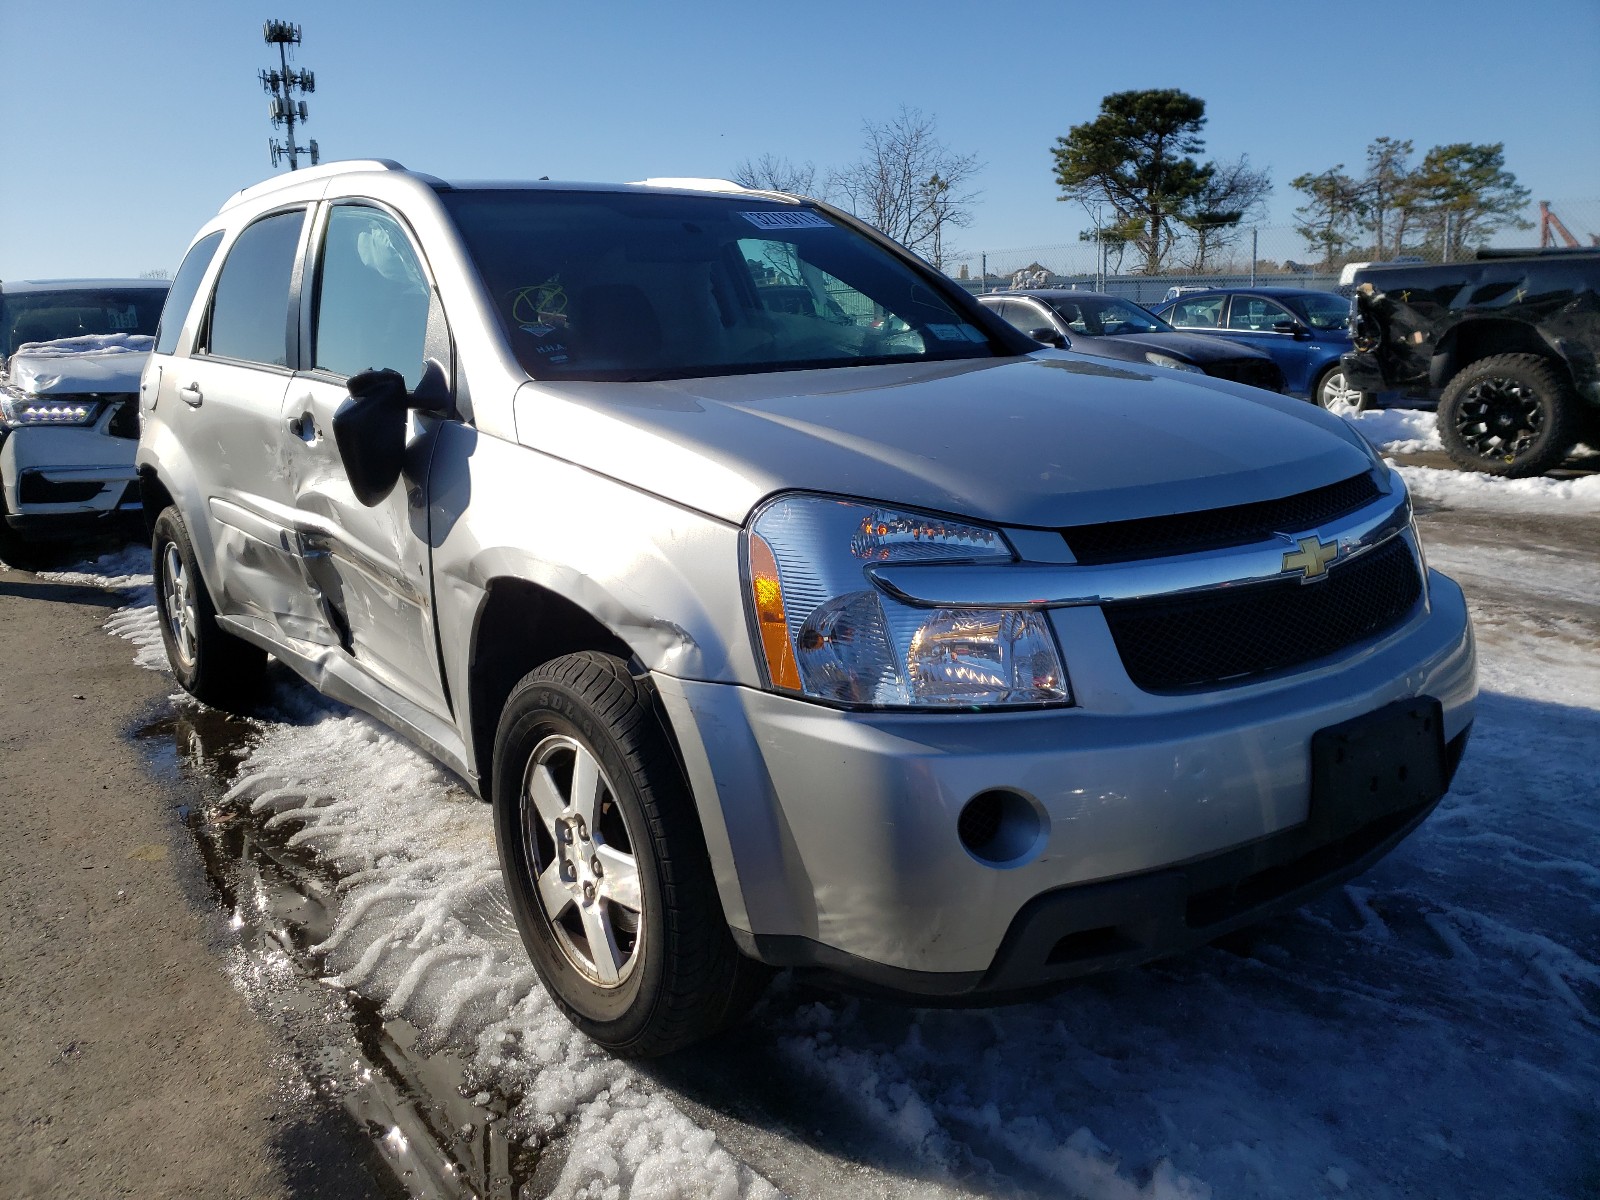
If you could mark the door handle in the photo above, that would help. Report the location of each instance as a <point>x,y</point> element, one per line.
<point>304,427</point>
<point>190,395</point>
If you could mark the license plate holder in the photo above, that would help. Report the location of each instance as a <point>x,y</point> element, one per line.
<point>1379,763</point>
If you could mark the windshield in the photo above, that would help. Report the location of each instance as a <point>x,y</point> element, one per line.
<point>630,285</point>
<point>50,316</point>
<point>1322,310</point>
<point>1102,316</point>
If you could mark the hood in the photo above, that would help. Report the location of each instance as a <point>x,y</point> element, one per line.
<point>109,362</point>
<point>1195,347</point>
<point>1050,440</point>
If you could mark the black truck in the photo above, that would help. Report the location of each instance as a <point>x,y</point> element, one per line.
<point>1509,343</point>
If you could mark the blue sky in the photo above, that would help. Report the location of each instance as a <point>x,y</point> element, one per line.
<point>129,123</point>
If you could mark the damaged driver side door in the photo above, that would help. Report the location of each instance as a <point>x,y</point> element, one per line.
<point>370,306</point>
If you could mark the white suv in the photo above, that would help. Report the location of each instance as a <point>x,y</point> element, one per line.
<point>790,609</point>
<point>71,352</point>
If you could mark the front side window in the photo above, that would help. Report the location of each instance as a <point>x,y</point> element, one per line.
<point>1205,313</point>
<point>627,285</point>
<point>372,297</point>
<point>250,308</point>
<point>183,291</point>
<point>1254,314</point>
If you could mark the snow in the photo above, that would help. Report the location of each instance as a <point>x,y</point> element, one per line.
<point>1398,430</point>
<point>1431,1029</point>
<point>90,343</point>
<point>1466,489</point>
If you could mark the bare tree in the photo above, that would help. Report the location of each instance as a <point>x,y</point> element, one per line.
<point>773,174</point>
<point>1232,194</point>
<point>908,183</point>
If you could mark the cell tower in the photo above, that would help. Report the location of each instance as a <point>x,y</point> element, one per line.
<point>281,85</point>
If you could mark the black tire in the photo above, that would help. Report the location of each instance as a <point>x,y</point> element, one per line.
<point>1329,392</point>
<point>14,548</point>
<point>213,665</point>
<point>1512,415</point>
<point>675,975</point>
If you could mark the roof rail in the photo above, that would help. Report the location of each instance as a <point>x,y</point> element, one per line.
<point>342,166</point>
<point>691,184</point>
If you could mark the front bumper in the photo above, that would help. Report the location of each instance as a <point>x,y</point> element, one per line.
<point>63,480</point>
<point>834,834</point>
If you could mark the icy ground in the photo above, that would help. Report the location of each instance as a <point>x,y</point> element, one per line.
<point>1432,1029</point>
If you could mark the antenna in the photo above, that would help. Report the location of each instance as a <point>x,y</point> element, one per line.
<point>281,85</point>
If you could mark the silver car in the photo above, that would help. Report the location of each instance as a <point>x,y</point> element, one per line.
<point>790,609</point>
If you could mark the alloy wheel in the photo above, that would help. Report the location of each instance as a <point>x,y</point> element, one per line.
<point>1499,418</point>
<point>580,851</point>
<point>178,601</point>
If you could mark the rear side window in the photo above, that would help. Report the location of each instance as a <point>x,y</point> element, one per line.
<point>1197,314</point>
<point>183,291</point>
<point>250,310</point>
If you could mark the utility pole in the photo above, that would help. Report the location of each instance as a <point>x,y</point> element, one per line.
<point>281,85</point>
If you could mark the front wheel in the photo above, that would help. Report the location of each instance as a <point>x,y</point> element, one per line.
<point>1334,393</point>
<point>1512,415</point>
<point>212,665</point>
<point>605,868</point>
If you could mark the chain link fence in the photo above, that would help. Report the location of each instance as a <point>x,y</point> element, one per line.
<point>1258,256</point>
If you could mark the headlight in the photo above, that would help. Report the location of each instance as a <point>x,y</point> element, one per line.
<point>19,410</point>
<point>1166,360</point>
<point>827,632</point>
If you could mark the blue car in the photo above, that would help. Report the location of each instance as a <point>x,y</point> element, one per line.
<point>1305,332</point>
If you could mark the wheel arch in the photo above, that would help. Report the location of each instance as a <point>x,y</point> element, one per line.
<point>521,625</point>
<point>1470,341</point>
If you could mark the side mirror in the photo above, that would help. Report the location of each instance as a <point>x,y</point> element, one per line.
<point>1294,327</point>
<point>370,431</point>
<point>370,427</point>
<point>1050,337</point>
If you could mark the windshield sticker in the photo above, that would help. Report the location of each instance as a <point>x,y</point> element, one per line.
<point>948,333</point>
<point>786,220</point>
<point>974,334</point>
<point>540,309</point>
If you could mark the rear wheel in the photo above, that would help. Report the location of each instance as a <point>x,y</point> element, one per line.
<point>1512,415</point>
<point>1334,393</point>
<point>605,868</point>
<point>211,664</point>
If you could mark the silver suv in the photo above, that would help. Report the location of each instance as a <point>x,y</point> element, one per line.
<point>790,609</point>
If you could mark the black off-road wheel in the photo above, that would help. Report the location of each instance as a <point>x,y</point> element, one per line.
<point>1512,415</point>
<point>212,664</point>
<point>605,866</point>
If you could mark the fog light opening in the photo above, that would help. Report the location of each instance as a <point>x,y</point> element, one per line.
<point>1001,828</point>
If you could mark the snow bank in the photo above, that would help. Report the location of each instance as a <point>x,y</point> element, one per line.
<point>1469,489</point>
<point>1398,430</point>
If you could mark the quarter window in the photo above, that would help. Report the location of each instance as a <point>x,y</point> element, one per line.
<point>250,311</point>
<point>372,297</point>
<point>183,291</point>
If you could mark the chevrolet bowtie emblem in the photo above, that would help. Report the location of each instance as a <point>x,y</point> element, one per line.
<point>1312,559</point>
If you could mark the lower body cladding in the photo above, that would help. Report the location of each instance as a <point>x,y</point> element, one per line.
<point>60,481</point>
<point>974,856</point>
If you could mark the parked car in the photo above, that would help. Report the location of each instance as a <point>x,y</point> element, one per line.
<point>1111,327</point>
<point>862,636</point>
<point>71,352</point>
<point>1508,343</point>
<point>1305,332</point>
